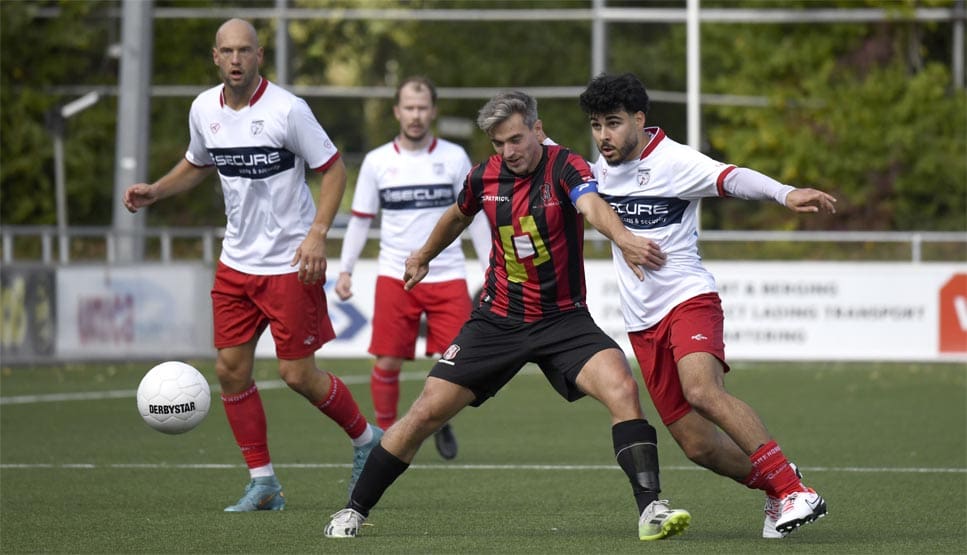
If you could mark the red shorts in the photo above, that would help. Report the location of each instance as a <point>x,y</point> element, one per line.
<point>396,316</point>
<point>243,304</point>
<point>695,326</point>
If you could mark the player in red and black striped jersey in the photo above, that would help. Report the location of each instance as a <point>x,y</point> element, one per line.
<point>532,309</point>
<point>538,245</point>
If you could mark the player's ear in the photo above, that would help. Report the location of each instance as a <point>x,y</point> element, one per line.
<point>640,119</point>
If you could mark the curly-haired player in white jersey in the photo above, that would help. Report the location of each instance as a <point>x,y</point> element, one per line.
<point>674,316</point>
<point>272,268</point>
<point>412,179</point>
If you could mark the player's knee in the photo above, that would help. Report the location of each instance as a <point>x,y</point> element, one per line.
<point>298,377</point>
<point>702,397</point>
<point>698,449</point>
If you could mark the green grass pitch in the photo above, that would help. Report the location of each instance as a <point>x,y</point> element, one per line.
<point>885,443</point>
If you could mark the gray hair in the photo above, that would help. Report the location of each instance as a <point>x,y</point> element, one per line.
<point>505,104</point>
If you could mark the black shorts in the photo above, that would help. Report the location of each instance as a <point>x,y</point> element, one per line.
<point>488,352</point>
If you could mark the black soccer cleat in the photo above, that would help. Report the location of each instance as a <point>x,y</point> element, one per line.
<point>446,442</point>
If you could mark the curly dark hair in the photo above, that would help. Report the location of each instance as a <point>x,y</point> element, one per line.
<point>606,94</point>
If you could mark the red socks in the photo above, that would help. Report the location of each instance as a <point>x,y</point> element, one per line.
<point>246,416</point>
<point>771,472</point>
<point>340,406</point>
<point>384,385</point>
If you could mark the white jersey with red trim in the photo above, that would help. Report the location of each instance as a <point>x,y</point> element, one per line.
<point>260,153</point>
<point>412,189</point>
<point>657,197</point>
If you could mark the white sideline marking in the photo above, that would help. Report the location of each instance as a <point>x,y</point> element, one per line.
<point>595,467</point>
<point>131,393</point>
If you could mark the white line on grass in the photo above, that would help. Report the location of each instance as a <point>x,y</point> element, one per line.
<point>130,393</point>
<point>595,467</point>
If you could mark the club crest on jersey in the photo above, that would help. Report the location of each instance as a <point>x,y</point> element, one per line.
<point>215,126</point>
<point>451,352</point>
<point>546,192</point>
<point>547,195</point>
<point>438,169</point>
<point>257,126</point>
<point>644,176</point>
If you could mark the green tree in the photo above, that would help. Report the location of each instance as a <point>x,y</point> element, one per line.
<point>866,112</point>
<point>35,55</point>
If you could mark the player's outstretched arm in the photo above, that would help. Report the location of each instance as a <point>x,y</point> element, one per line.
<point>810,200</point>
<point>749,184</point>
<point>450,225</point>
<point>182,177</point>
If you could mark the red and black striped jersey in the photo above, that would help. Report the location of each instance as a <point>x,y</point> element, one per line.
<point>537,259</point>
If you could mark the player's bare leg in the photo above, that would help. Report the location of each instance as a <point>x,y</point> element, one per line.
<point>706,445</point>
<point>702,377</point>
<point>607,378</point>
<point>439,401</point>
<point>789,504</point>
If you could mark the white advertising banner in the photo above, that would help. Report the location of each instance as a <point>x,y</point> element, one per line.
<point>144,311</point>
<point>773,310</point>
<point>825,311</point>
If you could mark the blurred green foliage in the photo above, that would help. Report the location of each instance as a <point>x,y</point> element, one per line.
<point>867,111</point>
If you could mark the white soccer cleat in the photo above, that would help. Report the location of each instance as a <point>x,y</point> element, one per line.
<point>772,509</point>
<point>344,524</point>
<point>796,509</point>
<point>658,522</point>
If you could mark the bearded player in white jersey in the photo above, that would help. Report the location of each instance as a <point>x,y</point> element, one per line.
<point>674,316</point>
<point>272,268</point>
<point>412,179</point>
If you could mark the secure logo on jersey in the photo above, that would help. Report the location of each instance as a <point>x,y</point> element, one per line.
<point>257,126</point>
<point>256,162</point>
<point>648,212</point>
<point>415,197</point>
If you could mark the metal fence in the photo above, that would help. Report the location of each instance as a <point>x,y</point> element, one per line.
<point>48,245</point>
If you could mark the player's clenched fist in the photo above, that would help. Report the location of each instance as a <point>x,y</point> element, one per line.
<point>138,196</point>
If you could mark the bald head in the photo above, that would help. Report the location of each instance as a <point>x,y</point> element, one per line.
<point>236,30</point>
<point>238,56</point>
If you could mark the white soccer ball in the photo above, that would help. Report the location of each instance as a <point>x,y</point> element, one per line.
<point>173,397</point>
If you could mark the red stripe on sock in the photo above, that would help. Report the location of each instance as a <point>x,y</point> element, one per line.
<point>246,416</point>
<point>340,406</point>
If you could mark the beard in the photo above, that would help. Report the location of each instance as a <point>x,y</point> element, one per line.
<point>415,138</point>
<point>620,155</point>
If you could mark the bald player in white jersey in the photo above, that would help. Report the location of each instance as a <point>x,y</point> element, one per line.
<point>259,138</point>
<point>412,180</point>
<point>674,316</point>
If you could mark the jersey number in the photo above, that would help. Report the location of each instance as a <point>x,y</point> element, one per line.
<point>521,247</point>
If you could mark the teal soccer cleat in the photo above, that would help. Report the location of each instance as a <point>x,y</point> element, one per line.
<point>261,494</point>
